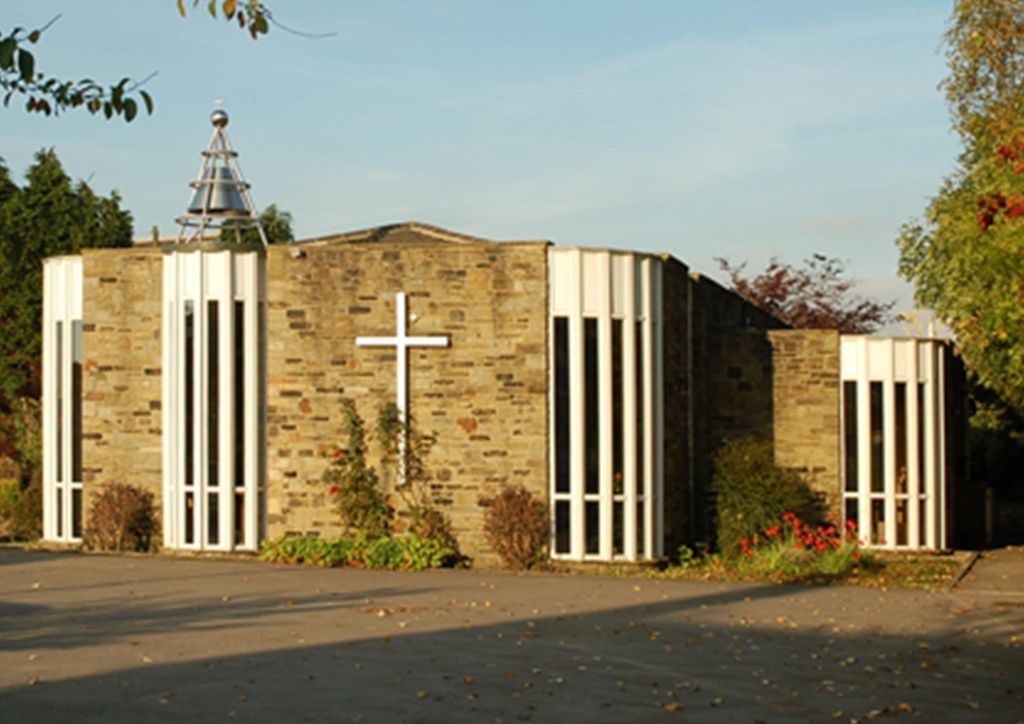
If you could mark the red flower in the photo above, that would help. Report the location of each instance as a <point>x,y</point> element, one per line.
<point>773,531</point>
<point>333,490</point>
<point>338,454</point>
<point>856,555</point>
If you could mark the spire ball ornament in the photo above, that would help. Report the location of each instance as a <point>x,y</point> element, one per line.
<point>219,118</point>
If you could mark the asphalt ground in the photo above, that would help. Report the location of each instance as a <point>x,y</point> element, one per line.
<point>88,638</point>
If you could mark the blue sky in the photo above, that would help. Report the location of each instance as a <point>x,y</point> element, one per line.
<point>738,129</point>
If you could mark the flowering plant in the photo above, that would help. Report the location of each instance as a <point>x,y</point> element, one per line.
<point>794,548</point>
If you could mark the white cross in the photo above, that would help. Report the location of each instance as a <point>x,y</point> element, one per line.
<point>402,342</point>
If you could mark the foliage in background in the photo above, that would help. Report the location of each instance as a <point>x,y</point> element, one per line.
<point>277,227</point>
<point>122,517</point>
<point>818,296</point>
<point>50,215</point>
<point>516,527</point>
<point>355,485</point>
<point>21,470</point>
<point>966,257</point>
<point>752,493</point>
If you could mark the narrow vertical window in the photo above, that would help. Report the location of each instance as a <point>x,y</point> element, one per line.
<point>190,376</point>
<point>212,393</point>
<point>59,396</point>
<point>850,436</point>
<point>618,440</point>
<point>239,393</point>
<point>562,526</point>
<point>901,438</point>
<point>877,440</point>
<point>922,459</point>
<point>617,431</point>
<point>76,401</point>
<point>641,401</point>
<point>562,404</point>
<point>592,527</point>
<point>591,404</point>
<point>76,428</point>
<point>212,421</point>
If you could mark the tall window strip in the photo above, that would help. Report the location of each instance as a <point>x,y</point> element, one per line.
<point>213,355</point>
<point>602,309</point>
<point>890,486</point>
<point>62,399</point>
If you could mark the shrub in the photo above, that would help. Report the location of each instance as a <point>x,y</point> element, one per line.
<point>409,553</point>
<point>355,485</point>
<point>21,510</point>
<point>516,527</point>
<point>121,518</point>
<point>752,493</point>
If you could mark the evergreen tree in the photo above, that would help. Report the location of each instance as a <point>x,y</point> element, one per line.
<point>50,215</point>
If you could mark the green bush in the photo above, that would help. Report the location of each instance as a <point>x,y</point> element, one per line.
<point>516,527</point>
<point>21,510</point>
<point>752,493</point>
<point>384,553</point>
<point>121,518</point>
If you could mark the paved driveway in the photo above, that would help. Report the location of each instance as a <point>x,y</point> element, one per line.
<point>127,639</point>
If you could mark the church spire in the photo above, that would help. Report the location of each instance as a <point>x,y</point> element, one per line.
<point>220,202</point>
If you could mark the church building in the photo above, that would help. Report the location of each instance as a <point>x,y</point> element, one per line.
<point>211,371</point>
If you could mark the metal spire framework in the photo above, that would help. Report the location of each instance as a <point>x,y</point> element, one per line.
<point>220,206</point>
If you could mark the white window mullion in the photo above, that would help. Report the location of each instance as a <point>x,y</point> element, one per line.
<point>913,463</point>
<point>889,436</point>
<point>940,445</point>
<point>577,420</point>
<point>629,408</point>
<point>252,412</point>
<point>931,487</point>
<point>604,402</point>
<point>225,398</point>
<point>649,431</point>
<point>658,393</point>
<point>863,443</point>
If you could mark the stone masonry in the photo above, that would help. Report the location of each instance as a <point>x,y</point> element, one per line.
<point>122,388</point>
<point>805,383</point>
<point>484,397</point>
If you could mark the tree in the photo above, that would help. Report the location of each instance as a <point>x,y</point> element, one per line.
<point>277,225</point>
<point>48,95</point>
<point>966,257</point>
<point>49,215</point>
<point>817,296</point>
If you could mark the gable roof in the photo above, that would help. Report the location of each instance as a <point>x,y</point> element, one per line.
<point>405,232</point>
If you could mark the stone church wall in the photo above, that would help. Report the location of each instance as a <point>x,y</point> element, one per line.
<point>732,383</point>
<point>675,300</point>
<point>122,388</point>
<point>484,397</point>
<point>805,384</point>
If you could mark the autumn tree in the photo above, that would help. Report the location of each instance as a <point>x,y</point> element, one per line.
<point>816,296</point>
<point>966,257</point>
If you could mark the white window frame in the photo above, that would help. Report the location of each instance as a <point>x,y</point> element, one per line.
<point>888,361</point>
<point>609,286</point>
<point>62,302</point>
<point>200,276</point>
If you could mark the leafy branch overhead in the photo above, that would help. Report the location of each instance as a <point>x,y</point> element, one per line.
<point>43,93</point>
<point>818,296</point>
